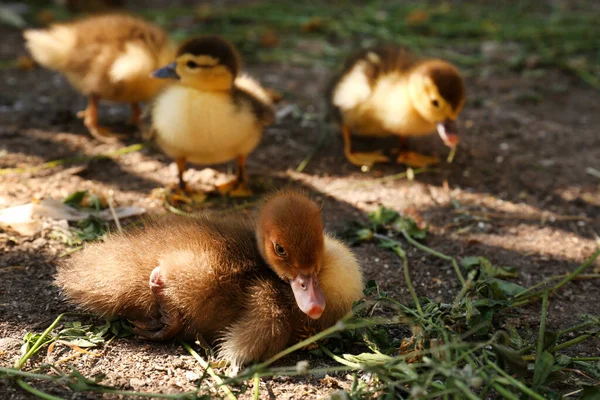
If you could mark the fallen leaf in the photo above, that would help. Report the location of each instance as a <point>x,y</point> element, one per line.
<point>27,219</point>
<point>269,39</point>
<point>416,160</point>
<point>25,63</point>
<point>314,24</point>
<point>45,17</point>
<point>416,17</point>
<point>275,96</point>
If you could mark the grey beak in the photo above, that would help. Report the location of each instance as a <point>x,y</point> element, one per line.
<point>166,72</point>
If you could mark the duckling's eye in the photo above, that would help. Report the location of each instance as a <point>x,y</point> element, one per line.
<point>435,103</point>
<point>279,250</point>
<point>192,64</point>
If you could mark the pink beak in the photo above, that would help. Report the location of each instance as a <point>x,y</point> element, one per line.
<point>308,294</point>
<point>448,132</point>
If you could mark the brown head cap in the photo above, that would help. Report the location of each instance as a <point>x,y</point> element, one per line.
<point>213,46</point>
<point>448,81</point>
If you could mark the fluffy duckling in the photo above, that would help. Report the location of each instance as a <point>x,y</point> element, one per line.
<point>251,287</point>
<point>385,91</point>
<point>211,115</point>
<point>108,57</point>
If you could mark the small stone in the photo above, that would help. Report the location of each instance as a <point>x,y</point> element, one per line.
<point>10,344</point>
<point>191,376</point>
<point>136,382</point>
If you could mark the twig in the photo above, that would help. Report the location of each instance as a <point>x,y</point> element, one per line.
<point>451,155</point>
<point>113,212</point>
<point>42,395</point>
<point>529,296</point>
<point>502,391</point>
<point>332,329</point>
<point>566,331</point>
<point>11,372</point>
<point>571,342</point>
<point>540,344</point>
<point>256,387</point>
<point>433,252</point>
<point>74,160</point>
<point>210,371</point>
<point>525,217</point>
<point>38,344</point>
<point>341,360</point>
<point>402,254</point>
<point>593,172</point>
<point>388,178</point>
<point>322,139</point>
<point>515,382</point>
<point>465,390</point>
<point>578,270</point>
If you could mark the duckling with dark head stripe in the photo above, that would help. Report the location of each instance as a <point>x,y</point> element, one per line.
<point>211,114</point>
<point>105,57</point>
<point>386,90</point>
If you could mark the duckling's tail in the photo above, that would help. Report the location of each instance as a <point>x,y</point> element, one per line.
<point>51,47</point>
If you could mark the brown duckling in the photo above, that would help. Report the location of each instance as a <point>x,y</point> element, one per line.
<point>210,114</point>
<point>386,90</point>
<point>108,57</point>
<point>249,286</point>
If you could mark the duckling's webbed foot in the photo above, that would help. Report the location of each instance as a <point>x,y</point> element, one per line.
<point>181,193</point>
<point>237,187</point>
<point>169,323</point>
<point>368,159</point>
<point>416,160</point>
<point>360,159</point>
<point>90,120</point>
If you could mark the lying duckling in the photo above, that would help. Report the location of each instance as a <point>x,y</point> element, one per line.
<point>107,57</point>
<point>387,91</point>
<point>210,115</point>
<point>249,286</point>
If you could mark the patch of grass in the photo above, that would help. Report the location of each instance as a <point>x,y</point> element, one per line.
<point>462,349</point>
<point>74,160</point>
<point>307,33</point>
<point>89,229</point>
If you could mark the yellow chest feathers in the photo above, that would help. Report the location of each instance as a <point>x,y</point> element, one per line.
<point>205,127</point>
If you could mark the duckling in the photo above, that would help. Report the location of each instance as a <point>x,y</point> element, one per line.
<point>211,115</point>
<point>249,286</point>
<point>108,57</point>
<point>385,90</point>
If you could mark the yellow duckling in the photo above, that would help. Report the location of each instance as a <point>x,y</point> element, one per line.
<point>211,115</point>
<point>385,90</point>
<point>107,57</point>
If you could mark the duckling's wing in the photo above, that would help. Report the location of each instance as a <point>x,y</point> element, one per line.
<point>99,51</point>
<point>361,71</point>
<point>248,91</point>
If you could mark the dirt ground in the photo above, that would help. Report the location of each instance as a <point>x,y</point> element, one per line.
<point>520,169</point>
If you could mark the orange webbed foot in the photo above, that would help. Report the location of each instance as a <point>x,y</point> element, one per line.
<point>175,194</point>
<point>97,131</point>
<point>367,159</point>
<point>416,160</point>
<point>235,188</point>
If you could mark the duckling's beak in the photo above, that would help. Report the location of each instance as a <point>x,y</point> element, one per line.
<point>308,294</point>
<point>168,71</point>
<point>448,132</point>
